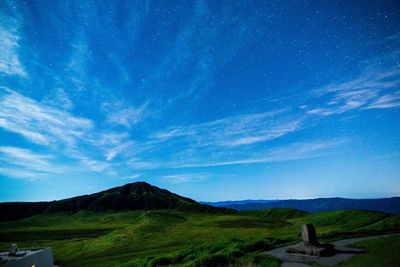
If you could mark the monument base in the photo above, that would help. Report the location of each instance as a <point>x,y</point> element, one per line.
<point>313,250</point>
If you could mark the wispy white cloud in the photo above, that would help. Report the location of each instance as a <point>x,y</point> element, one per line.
<point>374,89</point>
<point>119,113</point>
<point>141,164</point>
<point>25,163</point>
<point>25,157</point>
<point>293,151</point>
<point>131,177</point>
<point>288,152</point>
<point>111,143</point>
<point>215,143</point>
<point>40,124</point>
<point>94,165</point>
<point>87,161</point>
<point>234,131</point>
<point>386,101</point>
<point>61,132</point>
<point>77,65</point>
<point>18,173</point>
<point>10,63</point>
<point>394,37</point>
<point>114,151</point>
<point>59,99</point>
<point>184,178</point>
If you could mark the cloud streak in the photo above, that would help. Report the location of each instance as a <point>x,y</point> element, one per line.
<point>119,113</point>
<point>184,178</point>
<point>375,89</point>
<point>10,63</point>
<point>27,164</point>
<point>246,129</point>
<point>293,151</point>
<point>59,131</point>
<point>40,124</point>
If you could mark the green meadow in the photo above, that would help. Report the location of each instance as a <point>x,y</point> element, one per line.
<point>177,238</point>
<point>381,252</point>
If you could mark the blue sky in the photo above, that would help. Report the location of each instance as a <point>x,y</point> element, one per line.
<point>214,100</point>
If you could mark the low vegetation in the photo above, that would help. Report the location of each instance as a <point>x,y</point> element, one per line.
<point>382,252</point>
<point>184,238</point>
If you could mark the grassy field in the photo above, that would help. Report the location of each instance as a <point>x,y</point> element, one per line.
<point>382,252</point>
<point>171,237</point>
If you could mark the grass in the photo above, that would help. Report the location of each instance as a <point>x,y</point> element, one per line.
<point>341,224</point>
<point>382,252</point>
<point>170,237</point>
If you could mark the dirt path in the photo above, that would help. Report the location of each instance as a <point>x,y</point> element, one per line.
<point>344,253</point>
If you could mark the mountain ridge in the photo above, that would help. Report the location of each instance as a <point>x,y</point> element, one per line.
<point>235,202</point>
<point>388,205</point>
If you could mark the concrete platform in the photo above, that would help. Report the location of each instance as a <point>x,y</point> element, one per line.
<point>313,250</point>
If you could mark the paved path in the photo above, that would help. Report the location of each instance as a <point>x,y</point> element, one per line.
<point>344,253</point>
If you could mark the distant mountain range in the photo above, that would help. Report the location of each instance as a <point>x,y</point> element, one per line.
<point>237,202</point>
<point>133,196</point>
<point>389,205</point>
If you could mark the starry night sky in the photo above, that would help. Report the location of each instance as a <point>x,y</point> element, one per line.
<point>214,100</point>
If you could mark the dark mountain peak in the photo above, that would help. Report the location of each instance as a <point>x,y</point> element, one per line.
<point>143,190</point>
<point>137,188</point>
<point>132,196</point>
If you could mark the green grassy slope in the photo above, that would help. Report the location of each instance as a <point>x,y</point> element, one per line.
<point>171,237</point>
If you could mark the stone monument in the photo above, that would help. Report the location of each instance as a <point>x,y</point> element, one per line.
<point>310,245</point>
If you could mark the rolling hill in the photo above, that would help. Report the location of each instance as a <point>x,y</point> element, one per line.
<point>133,196</point>
<point>388,205</point>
